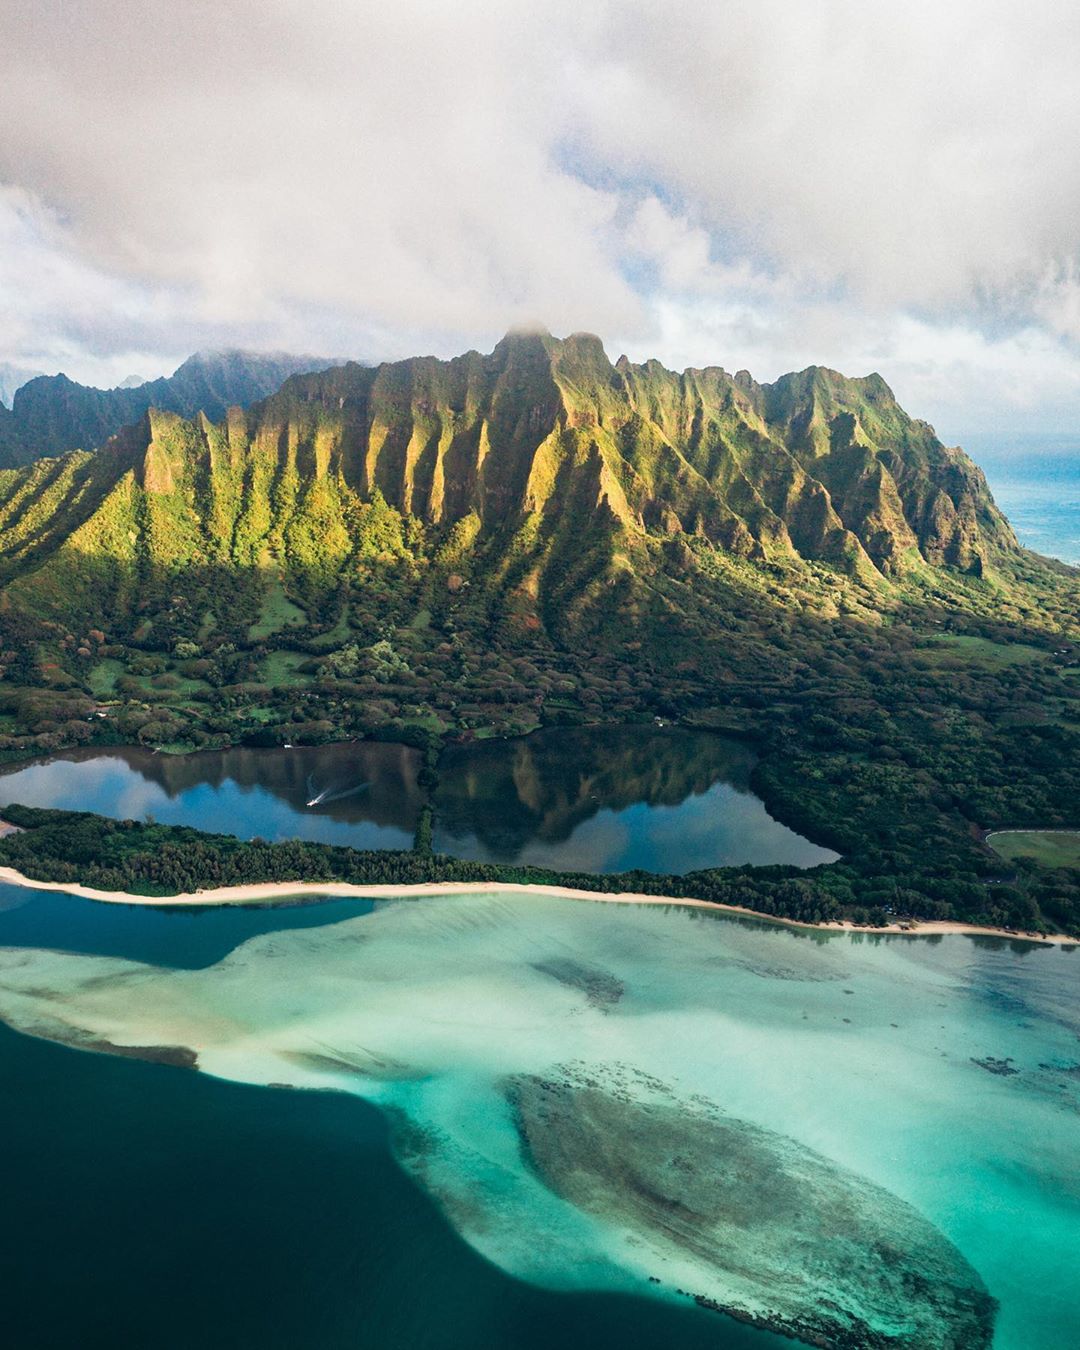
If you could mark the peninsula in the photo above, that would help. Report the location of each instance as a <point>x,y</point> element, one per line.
<point>271,892</point>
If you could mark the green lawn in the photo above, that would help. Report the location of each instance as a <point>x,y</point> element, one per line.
<point>181,685</point>
<point>961,648</point>
<point>431,722</point>
<point>276,612</point>
<point>102,678</point>
<point>1049,848</point>
<point>261,715</point>
<point>281,668</point>
<point>334,637</point>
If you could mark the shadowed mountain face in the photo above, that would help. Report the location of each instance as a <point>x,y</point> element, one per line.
<point>52,414</point>
<point>555,472</point>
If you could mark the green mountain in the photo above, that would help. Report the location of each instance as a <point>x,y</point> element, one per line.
<point>52,414</point>
<point>433,549</point>
<point>554,472</point>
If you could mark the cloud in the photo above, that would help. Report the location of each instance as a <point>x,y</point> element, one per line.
<point>58,309</point>
<point>744,181</point>
<point>949,370</point>
<point>386,162</point>
<point>913,154</point>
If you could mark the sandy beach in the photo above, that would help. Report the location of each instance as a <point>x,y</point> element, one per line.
<point>267,892</point>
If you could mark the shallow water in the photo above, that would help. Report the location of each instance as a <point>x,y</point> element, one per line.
<point>151,1207</point>
<point>527,1051</point>
<point>156,1209</point>
<point>600,799</point>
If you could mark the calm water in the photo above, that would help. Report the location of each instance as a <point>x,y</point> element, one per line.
<point>1036,482</point>
<point>604,799</point>
<point>609,799</point>
<point>155,1207</point>
<point>363,794</point>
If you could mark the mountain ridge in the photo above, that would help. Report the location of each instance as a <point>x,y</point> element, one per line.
<point>53,414</point>
<point>422,432</point>
<point>560,469</point>
<point>535,537</point>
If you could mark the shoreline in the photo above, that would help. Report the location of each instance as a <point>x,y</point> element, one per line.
<point>267,892</point>
<point>1029,829</point>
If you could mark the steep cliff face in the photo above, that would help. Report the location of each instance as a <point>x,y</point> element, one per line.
<point>543,459</point>
<point>815,465</point>
<point>10,437</point>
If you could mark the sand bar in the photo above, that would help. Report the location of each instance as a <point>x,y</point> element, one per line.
<point>267,892</point>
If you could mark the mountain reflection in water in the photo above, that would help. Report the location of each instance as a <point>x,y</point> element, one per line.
<point>609,799</point>
<point>596,798</point>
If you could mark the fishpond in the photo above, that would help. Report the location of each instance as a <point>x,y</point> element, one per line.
<point>602,799</point>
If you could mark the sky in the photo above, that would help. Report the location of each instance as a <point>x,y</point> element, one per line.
<point>864,185</point>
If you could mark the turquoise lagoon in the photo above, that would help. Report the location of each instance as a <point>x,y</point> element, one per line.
<point>599,1113</point>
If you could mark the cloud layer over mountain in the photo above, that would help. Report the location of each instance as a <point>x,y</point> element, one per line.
<point>764,184</point>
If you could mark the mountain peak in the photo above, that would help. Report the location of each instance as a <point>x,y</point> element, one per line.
<point>12,378</point>
<point>815,466</point>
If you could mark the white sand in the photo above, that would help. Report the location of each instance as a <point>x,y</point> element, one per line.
<point>267,892</point>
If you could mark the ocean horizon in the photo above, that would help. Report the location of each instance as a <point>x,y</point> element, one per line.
<point>1035,480</point>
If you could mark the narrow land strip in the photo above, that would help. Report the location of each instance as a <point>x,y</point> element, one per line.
<point>267,892</point>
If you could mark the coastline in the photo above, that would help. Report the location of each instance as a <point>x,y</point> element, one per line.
<point>266,892</point>
<point>1027,829</point>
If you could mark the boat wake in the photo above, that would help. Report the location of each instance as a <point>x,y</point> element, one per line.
<point>333,795</point>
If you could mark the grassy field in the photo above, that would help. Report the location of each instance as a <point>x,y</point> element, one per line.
<point>278,612</point>
<point>102,678</point>
<point>1049,848</point>
<point>333,637</point>
<point>280,669</point>
<point>962,648</point>
<point>178,684</point>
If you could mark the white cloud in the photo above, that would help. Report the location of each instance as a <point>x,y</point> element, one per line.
<point>752,182</point>
<point>378,162</point>
<point>913,153</point>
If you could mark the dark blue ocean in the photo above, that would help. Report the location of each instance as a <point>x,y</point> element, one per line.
<point>1036,482</point>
